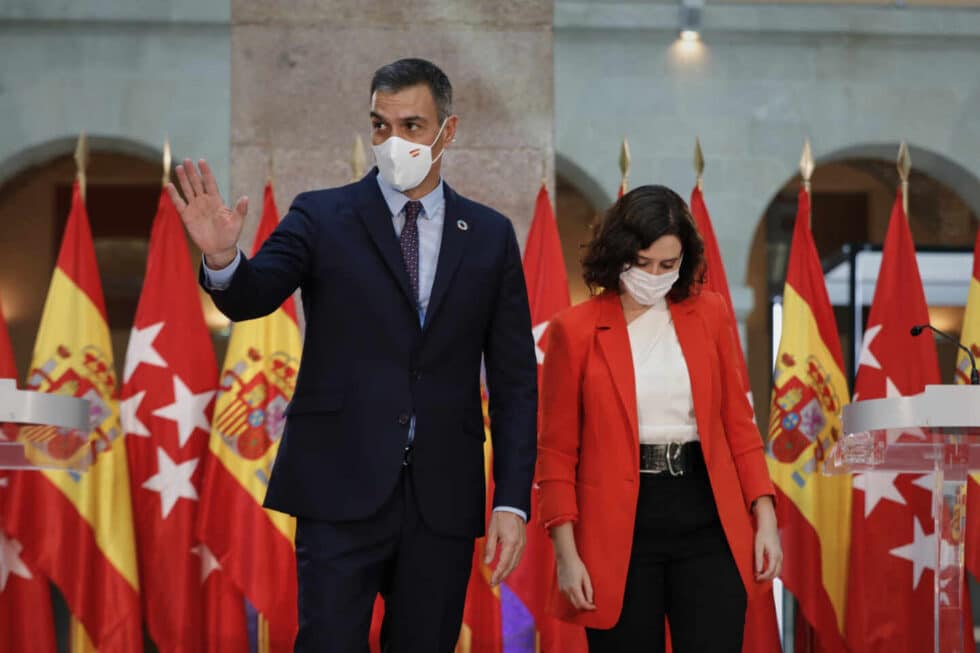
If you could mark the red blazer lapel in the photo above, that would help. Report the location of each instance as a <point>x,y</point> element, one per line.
<point>695,341</point>
<point>614,342</point>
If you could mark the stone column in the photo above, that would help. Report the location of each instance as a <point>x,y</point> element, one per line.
<point>301,72</point>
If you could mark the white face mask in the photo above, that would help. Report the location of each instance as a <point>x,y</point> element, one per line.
<point>648,289</point>
<point>404,164</point>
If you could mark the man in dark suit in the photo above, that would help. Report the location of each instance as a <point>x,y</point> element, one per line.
<point>406,287</point>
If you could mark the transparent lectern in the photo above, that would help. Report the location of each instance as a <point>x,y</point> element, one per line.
<point>937,432</point>
<point>43,431</point>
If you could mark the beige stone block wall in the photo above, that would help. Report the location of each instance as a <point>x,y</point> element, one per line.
<point>301,72</point>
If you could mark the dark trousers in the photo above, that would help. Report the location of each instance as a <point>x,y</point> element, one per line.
<point>342,566</point>
<point>681,567</point>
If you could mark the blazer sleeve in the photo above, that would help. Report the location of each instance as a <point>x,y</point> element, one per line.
<point>560,427</point>
<point>512,383</point>
<point>743,435</point>
<point>261,284</point>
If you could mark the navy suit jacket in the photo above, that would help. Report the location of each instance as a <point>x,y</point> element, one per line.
<point>368,365</point>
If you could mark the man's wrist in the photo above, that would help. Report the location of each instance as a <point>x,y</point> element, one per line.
<point>220,260</point>
<point>515,511</point>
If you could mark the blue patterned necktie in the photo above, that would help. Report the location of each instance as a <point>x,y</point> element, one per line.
<point>409,241</point>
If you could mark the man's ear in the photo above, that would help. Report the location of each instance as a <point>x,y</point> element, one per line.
<point>450,131</point>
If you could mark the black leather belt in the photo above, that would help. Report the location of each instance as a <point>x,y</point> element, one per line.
<point>674,458</point>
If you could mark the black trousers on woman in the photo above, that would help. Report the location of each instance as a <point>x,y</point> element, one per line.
<point>681,567</point>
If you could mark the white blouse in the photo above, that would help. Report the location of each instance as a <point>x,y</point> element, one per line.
<point>664,402</point>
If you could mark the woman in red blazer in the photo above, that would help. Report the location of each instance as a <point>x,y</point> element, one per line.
<point>683,528</point>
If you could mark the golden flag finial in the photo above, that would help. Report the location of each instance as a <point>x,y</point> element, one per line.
<point>624,166</point>
<point>699,163</point>
<point>358,159</point>
<point>806,164</point>
<point>166,161</point>
<point>81,161</point>
<point>270,167</point>
<point>904,169</point>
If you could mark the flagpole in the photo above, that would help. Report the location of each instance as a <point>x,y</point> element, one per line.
<point>699,164</point>
<point>904,165</point>
<point>81,162</point>
<point>166,162</point>
<point>624,167</point>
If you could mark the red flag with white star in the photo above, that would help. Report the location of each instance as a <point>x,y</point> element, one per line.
<point>761,628</point>
<point>25,600</point>
<point>547,289</point>
<point>169,382</point>
<point>892,535</point>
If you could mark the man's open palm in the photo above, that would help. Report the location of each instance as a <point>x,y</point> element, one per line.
<point>213,226</point>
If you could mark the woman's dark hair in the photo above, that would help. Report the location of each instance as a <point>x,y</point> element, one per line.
<point>633,223</point>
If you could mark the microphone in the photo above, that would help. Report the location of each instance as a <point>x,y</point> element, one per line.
<point>974,375</point>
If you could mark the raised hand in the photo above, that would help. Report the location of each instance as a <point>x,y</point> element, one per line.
<point>213,226</point>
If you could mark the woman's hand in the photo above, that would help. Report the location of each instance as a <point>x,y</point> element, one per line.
<point>574,582</point>
<point>573,577</point>
<point>768,550</point>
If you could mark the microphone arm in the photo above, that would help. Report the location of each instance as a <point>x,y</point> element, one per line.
<point>974,375</point>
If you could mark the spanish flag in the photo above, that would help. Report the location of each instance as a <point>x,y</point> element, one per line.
<point>809,392</point>
<point>971,338</point>
<point>254,546</point>
<point>77,527</point>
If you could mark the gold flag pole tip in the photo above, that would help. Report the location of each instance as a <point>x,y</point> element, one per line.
<point>81,161</point>
<point>699,163</point>
<point>358,159</point>
<point>624,164</point>
<point>807,165</point>
<point>167,160</point>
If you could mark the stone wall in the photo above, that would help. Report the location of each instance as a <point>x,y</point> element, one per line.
<point>856,80</point>
<point>301,73</point>
<point>128,73</point>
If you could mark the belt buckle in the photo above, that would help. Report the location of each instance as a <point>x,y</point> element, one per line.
<point>654,458</point>
<point>673,458</point>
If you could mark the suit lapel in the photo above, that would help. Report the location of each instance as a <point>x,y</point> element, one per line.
<point>450,252</point>
<point>376,216</point>
<point>695,341</point>
<point>614,341</point>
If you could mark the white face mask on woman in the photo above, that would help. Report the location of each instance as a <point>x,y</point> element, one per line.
<point>646,288</point>
<point>404,164</point>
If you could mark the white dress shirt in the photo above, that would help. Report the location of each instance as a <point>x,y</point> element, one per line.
<point>664,402</point>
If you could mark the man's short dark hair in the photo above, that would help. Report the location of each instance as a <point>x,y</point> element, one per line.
<point>404,73</point>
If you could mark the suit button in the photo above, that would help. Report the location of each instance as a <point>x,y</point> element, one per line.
<point>417,374</point>
<point>404,418</point>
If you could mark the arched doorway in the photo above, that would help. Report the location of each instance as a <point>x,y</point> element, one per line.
<point>122,193</point>
<point>579,200</point>
<point>852,194</point>
<point>852,198</point>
